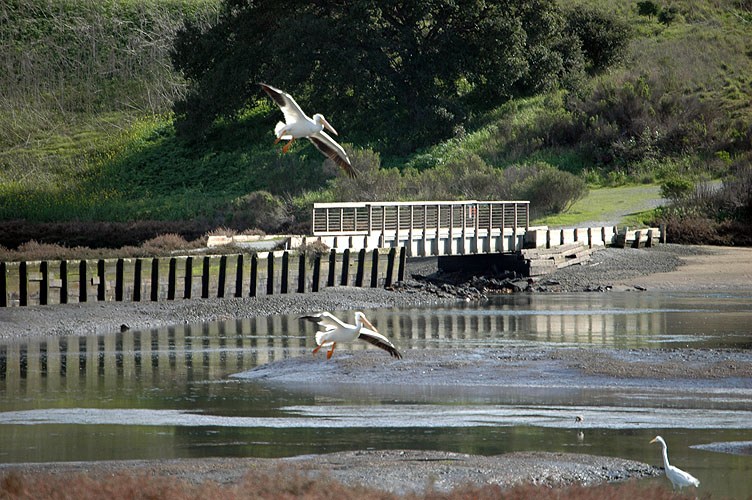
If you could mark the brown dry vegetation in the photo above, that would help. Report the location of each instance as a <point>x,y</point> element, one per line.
<point>101,240</point>
<point>285,485</point>
<point>719,215</point>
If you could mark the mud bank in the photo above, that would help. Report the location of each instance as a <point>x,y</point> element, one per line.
<point>555,372</point>
<point>397,471</point>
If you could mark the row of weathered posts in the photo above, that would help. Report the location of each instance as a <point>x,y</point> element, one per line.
<point>186,277</point>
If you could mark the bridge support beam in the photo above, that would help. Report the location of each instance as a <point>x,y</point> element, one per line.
<point>485,264</point>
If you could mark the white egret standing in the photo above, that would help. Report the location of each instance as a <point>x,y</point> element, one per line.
<point>336,330</point>
<point>298,124</point>
<point>677,476</point>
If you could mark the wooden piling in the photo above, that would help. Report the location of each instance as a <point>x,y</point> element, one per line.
<point>188,281</point>
<point>83,285</point>
<point>23,284</point>
<point>205,277</point>
<point>119,278</point>
<point>172,273</point>
<point>285,273</point>
<point>301,272</point>
<point>221,281</point>
<point>270,273</point>
<point>361,263</point>
<point>3,285</point>
<point>63,281</point>
<point>254,276</point>
<point>375,268</point>
<point>637,236</point>
<point>390,267</point>
<point>316,273</point>
<point>137,280</point>
<point>345,267</point>
<point>44,284</point>
<point>402,264</point>
<point>332,268</point>
<point>155,279</point>
<point>239,276</point>
<point>102,285</point>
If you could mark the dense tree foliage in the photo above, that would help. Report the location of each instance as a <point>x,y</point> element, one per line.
<point>603,36</point>
<point>400,74</point>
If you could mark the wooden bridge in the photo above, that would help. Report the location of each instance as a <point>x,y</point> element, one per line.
<point>497,233</point>
<point>437,228</point>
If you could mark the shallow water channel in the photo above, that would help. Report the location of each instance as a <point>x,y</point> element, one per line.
<point>166,393</point>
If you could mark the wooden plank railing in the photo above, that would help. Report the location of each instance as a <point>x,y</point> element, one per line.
<point>353,219</point>
<point>425,228</point>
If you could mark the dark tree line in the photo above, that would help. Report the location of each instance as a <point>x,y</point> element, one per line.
<point>400,75</point>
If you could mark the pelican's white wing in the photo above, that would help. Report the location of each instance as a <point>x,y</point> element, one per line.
<point>334,151</point>
<point>286,103</point>
<point>326,320</point>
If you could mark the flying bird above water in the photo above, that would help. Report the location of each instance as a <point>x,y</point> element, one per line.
<point>297,124</point>
<point>677,476</point>
<point>336,330</point>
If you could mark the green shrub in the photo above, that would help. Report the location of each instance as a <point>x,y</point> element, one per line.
<point>668,15</point>
<point>463,177</point>
<point>604,36</point>
<point>648,8</point>
<point>630,119</point>
<point>372,183</point>
<point>677,188</point>
<point>550,190</point>
<point>258,210</point>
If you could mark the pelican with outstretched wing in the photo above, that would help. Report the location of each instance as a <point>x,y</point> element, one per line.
<point>297,124</point>
<point>335,330</point>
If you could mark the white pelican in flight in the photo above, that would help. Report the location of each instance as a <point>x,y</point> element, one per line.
<point>336,330</point>
<point>298,124</point>
<point>677,476</point>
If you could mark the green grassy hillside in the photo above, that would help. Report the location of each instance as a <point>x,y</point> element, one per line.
<point>86,130</point>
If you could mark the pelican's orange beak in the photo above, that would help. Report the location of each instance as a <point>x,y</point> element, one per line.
<point>327,125</point>
<point>370,325</point>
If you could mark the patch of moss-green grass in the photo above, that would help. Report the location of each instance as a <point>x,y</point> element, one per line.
<point>623,204</point>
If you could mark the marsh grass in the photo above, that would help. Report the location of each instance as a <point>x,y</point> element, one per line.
<point>290,485</point>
